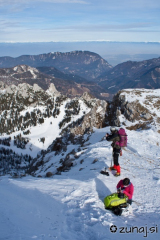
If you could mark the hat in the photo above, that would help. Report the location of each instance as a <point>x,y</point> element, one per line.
<point>113,129</point>
<point>126,181</point>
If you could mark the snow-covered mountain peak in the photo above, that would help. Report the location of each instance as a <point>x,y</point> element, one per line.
<point>20,69</point>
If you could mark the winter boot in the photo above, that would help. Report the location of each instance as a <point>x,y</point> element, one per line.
<point>118,168</point>
<point>111,168</point>
<point>117,174</point>
<point>117,211</point>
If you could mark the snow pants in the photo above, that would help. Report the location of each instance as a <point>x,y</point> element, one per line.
<point>116,166</point>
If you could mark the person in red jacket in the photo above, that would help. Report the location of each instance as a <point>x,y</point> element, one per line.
<point>126,187</point>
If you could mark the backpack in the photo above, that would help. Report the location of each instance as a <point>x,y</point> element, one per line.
<point>114,200</point>
<point>123,138</point>
<point>123,209</point>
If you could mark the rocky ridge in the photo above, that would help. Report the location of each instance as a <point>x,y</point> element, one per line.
<point>86,64</point>
<point>136,109</point>
<point>133,109</point>
<point>74,73</point>
<point>24,74</point>
<point>69,85</point>
<point>144,74</point>
<point>23,108</point>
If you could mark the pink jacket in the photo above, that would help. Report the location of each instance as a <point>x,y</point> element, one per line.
<point>128,191</point>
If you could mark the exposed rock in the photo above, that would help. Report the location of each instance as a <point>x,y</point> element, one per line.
<point>10,89</point>
<point>86,96</point>
<point>37,88</point>
<point>49,174</point>
<point>95,118</point>
<point>52,90</point>
<point>58,82</point>
<point>138,105</point>
<point>2,85</point>
<point>68,163</point>
<point>147,116</point>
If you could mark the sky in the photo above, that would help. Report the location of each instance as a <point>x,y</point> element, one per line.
<point>79,20</point>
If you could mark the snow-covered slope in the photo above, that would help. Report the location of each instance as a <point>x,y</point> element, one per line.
<point>31,119</point>
<point>70,205</point>
<point>49,130</point>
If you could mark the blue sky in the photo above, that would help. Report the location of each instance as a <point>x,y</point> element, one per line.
<point>79,20</point>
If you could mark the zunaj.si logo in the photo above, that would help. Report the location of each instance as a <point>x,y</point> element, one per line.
<point>145,230</point>
<point>113,228</point>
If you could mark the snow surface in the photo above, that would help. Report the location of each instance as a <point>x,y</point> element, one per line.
<point>70,206</point>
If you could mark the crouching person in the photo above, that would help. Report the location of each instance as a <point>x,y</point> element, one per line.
<point>120,203</point>
<point>126,187</point>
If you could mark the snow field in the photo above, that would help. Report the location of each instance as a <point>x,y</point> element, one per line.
<point>70,206</point>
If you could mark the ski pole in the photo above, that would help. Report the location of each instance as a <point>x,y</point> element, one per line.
<point>138,204</point>
<point>112,160</point>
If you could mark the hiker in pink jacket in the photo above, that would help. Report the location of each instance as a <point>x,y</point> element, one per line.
<point>126,187</point>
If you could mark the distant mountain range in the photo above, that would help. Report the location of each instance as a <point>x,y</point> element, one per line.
<point>86,64</point>
<point>144,74</point>
<point>74,73</point>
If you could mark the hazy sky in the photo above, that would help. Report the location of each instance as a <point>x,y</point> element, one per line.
<point>79,20</point>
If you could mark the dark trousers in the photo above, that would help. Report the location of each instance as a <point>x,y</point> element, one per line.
<point>129,201</point>
<point>116,153</point>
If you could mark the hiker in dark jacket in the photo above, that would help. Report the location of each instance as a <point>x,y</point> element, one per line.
<point>114,137</point>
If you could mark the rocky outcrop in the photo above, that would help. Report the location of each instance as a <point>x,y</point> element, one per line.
<point>53,91</point>
<point>138,106</point>
<point>14,99</point>
<point>67,84</point>
<point>95,118</point>
<point>24,74</point>
<point>25,90</point>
